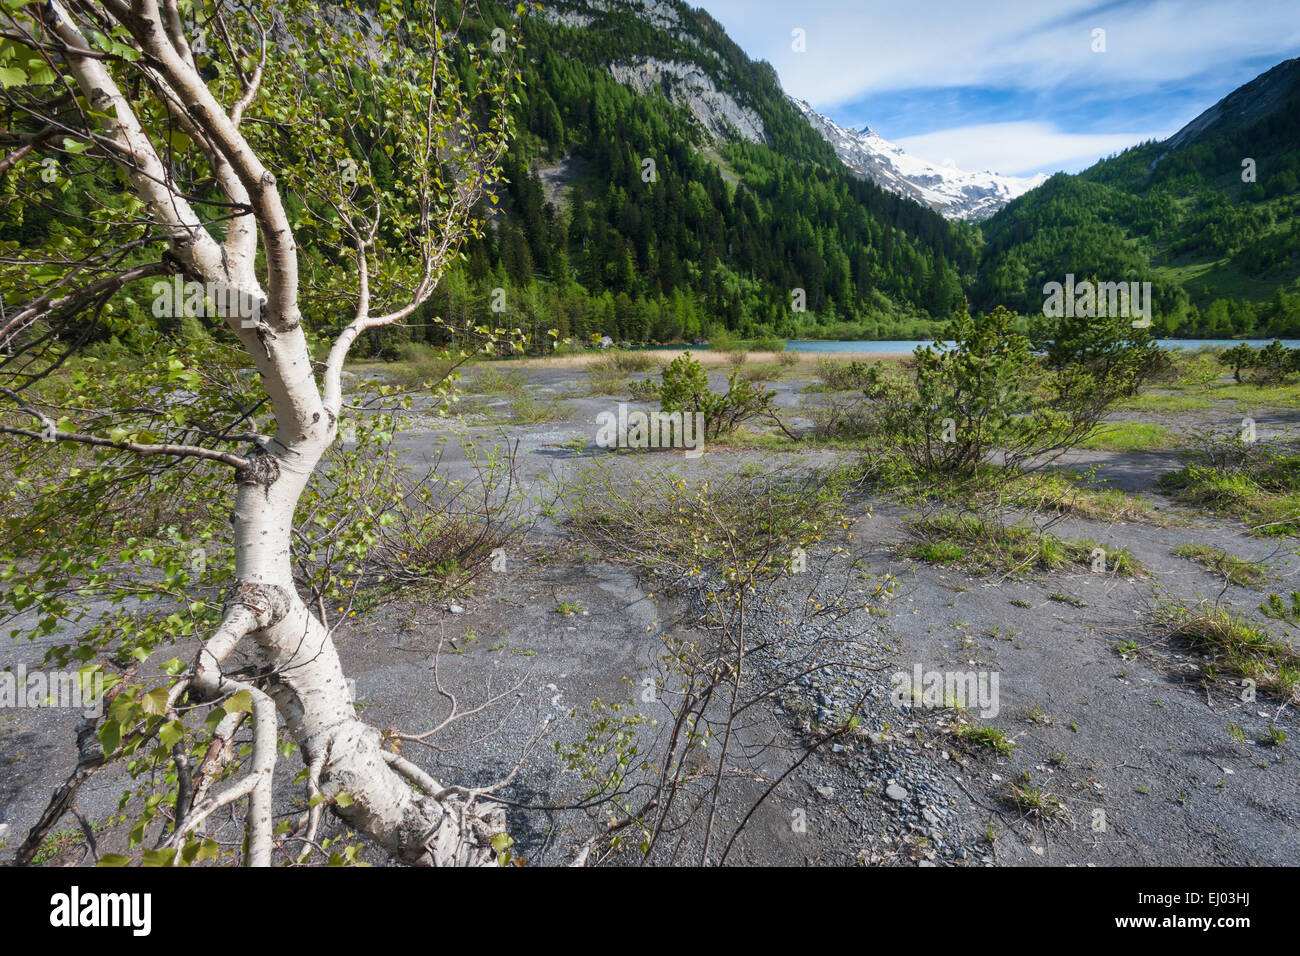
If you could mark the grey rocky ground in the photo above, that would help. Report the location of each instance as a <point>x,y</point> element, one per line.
<point>1134,750</point>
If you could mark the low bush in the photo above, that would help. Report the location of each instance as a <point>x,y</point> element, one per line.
<point>768,372</point>
<point>685,388</point>
<point>644,390</point>
<point>1255,481</point>
<point>841,376</point>
<point>767,343</point>
<point>722,339</point>
<point>1272,364</point>
<point>988,398</point>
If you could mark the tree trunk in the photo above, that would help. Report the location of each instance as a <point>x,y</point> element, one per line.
<point>441,825</point>
<point>310,692</point>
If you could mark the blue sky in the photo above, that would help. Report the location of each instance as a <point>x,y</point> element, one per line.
<point>1014,85</point>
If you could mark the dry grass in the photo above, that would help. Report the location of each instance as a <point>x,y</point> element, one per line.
<point>706,357</point>
<point>1238,647</point>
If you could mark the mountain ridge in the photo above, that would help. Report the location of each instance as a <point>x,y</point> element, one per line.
<point>1210,215</point>
<point>951,192</point>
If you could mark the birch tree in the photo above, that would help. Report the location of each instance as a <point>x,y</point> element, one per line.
<point>311,169</point>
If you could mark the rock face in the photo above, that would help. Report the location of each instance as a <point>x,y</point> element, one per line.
<point>566,18</point>
<point>947,190</point>
<point>686,84</point>
<point>692,72</point>
<point>683,81</point>
<point>581,13</point>
<point>1244,105</point>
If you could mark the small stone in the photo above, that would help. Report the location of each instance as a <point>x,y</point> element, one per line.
<point>826,792</point>
<point>895,792</point>
<point>455,609</point>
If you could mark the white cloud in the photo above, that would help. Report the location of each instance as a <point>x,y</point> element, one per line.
<point>868,48</point>
<point>1021,148</point>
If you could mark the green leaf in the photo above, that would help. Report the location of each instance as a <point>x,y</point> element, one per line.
<point>110,735</point>
<point>155,702</point>
<point>171,732</point>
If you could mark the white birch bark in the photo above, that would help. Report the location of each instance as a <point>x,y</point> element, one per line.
<point>445,827</point>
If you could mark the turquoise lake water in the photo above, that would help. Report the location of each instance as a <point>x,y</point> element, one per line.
<point>906,346</point>
<point>902,347</point>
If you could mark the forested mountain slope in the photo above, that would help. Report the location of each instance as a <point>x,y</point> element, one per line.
<point>663,182</point>
<point>1210,216</point>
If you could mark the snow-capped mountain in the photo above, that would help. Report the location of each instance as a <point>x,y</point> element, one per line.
<point>949,191</point>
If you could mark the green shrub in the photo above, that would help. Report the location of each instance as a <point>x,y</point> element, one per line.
<point>606,380</point>
<point>989,394</point>
<point>492,381</point>
<point>685,383</point>
<point>767,372</point>
<point>1109,349</point>
<point>1239,357</point>
<point>1275,363</point>
<point>1200,371</point>
<point>685,388</point>
<point>645,390</point>
<point>722,339</point>
<point>968,399</point>
<point>767,343</point>
<point>528,410</point>
<point>840,376</point>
